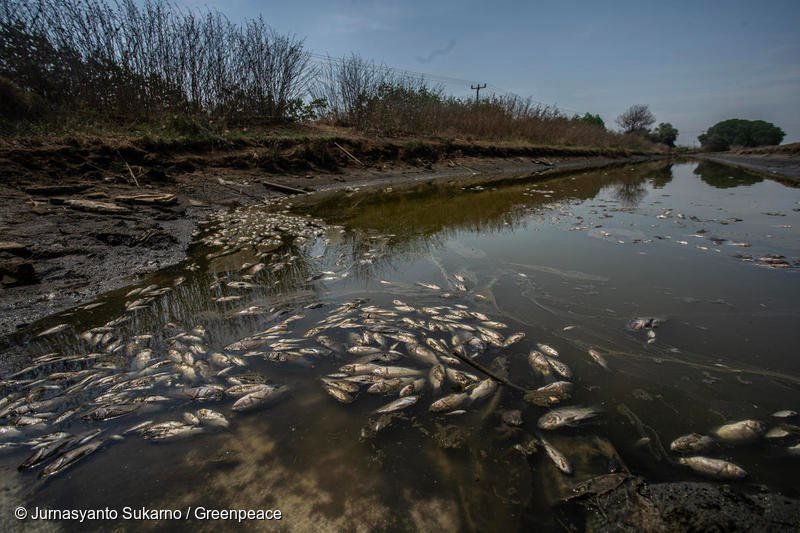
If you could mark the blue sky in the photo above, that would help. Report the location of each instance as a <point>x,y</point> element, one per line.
<point>694,63</point>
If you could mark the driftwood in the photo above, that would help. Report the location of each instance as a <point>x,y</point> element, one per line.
<point>91,206</point>
<point>282,188</point>
<point>149,199</point>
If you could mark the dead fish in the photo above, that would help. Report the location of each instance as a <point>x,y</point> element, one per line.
<point>742,431</point>
<point>45,452</point>
<point>338,394</point>
<point>55,329</point>
<point>110,412</point>
<point>516,337</point>
<point>556,456</point>
<point>166,431</point>
<point>599,359</point>
<point>70,457</point>
<point>713,468</point>
<point>560,368</point>
<point>397,405</point>
<point>449,402</point>
<point>414,387</point>
<point>395,371</point>
<point>547,349</point>
<point>204,392</point>
<point>786,413</point>
<point>386,385</point>
<point>364,350</point>
<point>693,442</point>
<point>483,389</point>
<point>550,394</point>
<point>462,379</point>
<point>430,286</point>
<point>226,299</point>
<point>436,377</point>
<point>566,416</point>
<point>208,417</point>
<point>266,396</point>
<point>539,363</point>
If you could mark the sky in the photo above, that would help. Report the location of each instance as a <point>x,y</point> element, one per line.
<point>693,62</point>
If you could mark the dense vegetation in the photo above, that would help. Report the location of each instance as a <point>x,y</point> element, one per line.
<point>87,64</point>
<point>743,133</point>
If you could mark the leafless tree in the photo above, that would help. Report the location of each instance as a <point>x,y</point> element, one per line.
<point>636,119</point>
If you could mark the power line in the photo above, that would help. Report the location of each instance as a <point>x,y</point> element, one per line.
<point>448,80</point>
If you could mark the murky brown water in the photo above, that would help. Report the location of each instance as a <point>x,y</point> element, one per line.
<point>568,262</point>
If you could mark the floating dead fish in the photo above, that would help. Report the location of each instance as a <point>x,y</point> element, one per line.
<point>599,359</point>
<point>550,394</point>
<point>69,458</point>
<point>485,388</point>
<point>208,417</point>
<point>512,339</point>
<point>713,468</point>
<point>397,405</point>
<point>547,349</point>
<point>556,456</point>
<point>264,397</point>
<point>742,431</point>
<point>567,416</point>
<point>693,442</point>
<point>449,403</point>
<point>786,413</point>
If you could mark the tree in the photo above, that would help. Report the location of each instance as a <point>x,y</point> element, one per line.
<point>665,133</point>
<point>740,132</point>
<point>636,119</point>
<point>589,118</point>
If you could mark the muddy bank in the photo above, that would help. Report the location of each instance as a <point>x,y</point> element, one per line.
<point>617,502</point>
<point>77,222</point>
<point>783,167</point>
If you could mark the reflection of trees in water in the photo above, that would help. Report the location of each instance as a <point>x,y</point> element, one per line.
<point>417,220</point>
<point>630,193</point>
<point>723,176</point>
<point>661,176</point>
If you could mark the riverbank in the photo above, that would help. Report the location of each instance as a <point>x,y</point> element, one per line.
<point>781,162</point>
<point>82,218</point>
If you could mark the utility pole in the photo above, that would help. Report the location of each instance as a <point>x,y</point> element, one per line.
<point>477,89</point>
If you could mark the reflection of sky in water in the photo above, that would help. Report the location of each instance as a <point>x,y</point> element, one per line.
<point>588,251</point>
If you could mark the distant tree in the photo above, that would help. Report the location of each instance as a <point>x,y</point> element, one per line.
<point>589,118</point>
<point>714,143</point>
<point>665,133</point>
<point>740,132</point>
<point>636,119</point>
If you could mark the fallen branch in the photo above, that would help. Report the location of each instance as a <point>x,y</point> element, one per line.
<point>354,158</point>
<point>282,188</point>
<point>479,367</point>
<point>130,171</point>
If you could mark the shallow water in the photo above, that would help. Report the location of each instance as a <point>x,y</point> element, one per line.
<point>568,261</point>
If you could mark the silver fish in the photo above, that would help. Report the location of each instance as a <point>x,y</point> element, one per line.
<point>566,416</point>
<point>261,398</point>
<point>713,468</point>
<point>449,402</point>
<point>397,405</point>
<point>742,431</point>
<point>556,456</point>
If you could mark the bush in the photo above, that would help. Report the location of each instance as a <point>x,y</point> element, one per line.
<point>740,132</point>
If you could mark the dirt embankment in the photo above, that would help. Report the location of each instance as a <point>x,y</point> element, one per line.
<point>780,162</point>
<point>80,219</point>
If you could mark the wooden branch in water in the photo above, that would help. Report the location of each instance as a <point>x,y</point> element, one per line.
<point>479,367</point>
